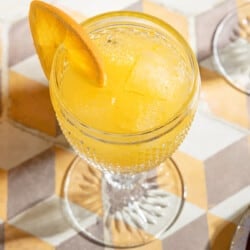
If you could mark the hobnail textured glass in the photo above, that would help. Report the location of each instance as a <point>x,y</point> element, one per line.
<point>127,180</point>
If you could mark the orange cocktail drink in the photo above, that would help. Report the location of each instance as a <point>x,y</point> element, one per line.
<point>147,86</point>
<point>124,87</point>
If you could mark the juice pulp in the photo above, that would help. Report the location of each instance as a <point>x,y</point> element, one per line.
<point>148,83</point>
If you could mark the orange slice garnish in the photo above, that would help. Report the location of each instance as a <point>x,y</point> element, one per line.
<point>51,28</point>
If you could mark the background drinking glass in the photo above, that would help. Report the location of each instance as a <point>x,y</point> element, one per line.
<point>231,48</point>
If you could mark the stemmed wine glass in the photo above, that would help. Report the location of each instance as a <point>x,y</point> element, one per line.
<point>231,47</point>
<point>123,189</point>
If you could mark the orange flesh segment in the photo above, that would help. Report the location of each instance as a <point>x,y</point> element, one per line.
<point>51,28</point>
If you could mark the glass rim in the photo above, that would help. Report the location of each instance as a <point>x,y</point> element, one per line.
<point>177,118</point>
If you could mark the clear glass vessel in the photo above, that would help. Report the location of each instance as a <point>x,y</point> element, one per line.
<point>123,189</point>
<point>231,48</point>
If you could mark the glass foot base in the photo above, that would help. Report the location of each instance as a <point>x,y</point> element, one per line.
<point>125,210</point>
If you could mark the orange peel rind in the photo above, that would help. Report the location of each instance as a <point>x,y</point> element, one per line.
<point>51,28</point>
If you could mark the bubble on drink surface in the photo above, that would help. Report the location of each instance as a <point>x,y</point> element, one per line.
<point>119,49</point>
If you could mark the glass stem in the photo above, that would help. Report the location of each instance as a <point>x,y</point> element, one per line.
<point>124,181</point>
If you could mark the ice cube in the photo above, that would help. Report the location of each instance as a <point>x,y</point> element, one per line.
<point>162,74</point>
